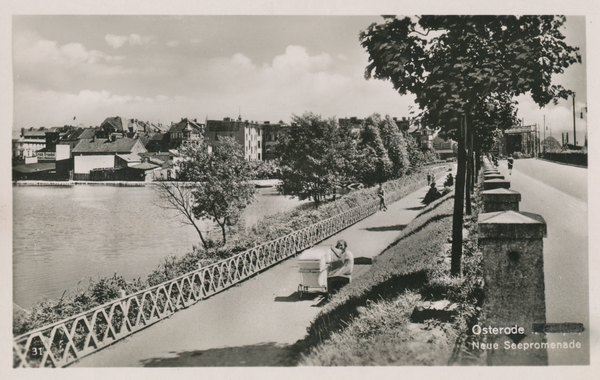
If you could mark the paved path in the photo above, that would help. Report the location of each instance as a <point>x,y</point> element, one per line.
<point>559,194</point>
<point>253,323</point>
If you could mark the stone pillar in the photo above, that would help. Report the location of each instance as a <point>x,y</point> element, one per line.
<point>500,200</point>
<point>513,271</point>
<point>492,176</point>
<point>496,184</point>
<point>490,171</point>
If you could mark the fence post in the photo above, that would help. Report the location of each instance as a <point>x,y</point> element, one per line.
<point>513,270</point>
<point>491,184</point>
<point>489,176</point>
<point>500,200</point>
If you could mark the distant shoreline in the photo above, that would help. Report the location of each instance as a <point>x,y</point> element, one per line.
<point>258,183</point>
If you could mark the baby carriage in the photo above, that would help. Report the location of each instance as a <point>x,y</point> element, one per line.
<point>314,265</point>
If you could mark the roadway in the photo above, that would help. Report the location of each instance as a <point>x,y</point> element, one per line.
<point>559,194</point>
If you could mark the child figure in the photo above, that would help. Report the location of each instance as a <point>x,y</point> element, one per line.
<point>381,195</point>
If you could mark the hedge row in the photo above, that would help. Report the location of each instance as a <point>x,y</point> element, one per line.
<point>571,158</point>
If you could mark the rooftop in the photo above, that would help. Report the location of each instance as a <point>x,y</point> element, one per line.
<point>122,145</point>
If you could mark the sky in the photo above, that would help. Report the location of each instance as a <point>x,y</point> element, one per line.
<point>81,69</point>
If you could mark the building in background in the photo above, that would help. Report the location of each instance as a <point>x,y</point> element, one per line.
<point>52,162</point>
<point>110,155</point>
<point>271,134</point>
<point>423,136</point>
<point>520,138</point>
<point>31,140</point>
<point>445,148</point>
<point>248,134</point>
<point>185,133</point>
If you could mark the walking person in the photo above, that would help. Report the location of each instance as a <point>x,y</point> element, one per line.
<point>511,161</point>
<point>381,195</point>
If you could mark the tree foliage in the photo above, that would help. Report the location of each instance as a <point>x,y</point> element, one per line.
<point>377,166</point>
<point>465,71</point>
<point>313,157</point>
<point>550,145</point>
<point>468,58</point>
<point>384,151</point>
<point>210,185</point>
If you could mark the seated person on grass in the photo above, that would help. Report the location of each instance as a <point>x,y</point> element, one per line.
<point>431,195</point>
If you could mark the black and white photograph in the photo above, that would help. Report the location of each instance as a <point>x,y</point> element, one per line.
<point>217,187</point>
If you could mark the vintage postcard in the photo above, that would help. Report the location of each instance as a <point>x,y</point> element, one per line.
<point>208,188</point>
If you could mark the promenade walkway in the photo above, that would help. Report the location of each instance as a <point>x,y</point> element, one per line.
<point>254,323</point>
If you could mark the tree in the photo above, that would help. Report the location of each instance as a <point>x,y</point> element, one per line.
<point>416,155</point>
<point>376,166</point>
<point>178,196</point>
<point>395,143</point>
<point>467,61</point>
<point>210,185</point>
<point>312,158</point>
<point>550,144</point>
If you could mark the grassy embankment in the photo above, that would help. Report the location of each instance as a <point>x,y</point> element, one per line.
<point>369,321</point>
<point>105,289</point>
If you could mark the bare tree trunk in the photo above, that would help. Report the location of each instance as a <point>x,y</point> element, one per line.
<point>469,182</point>
<point>477,159</point>
<point>459,197</point>
<point>176,197</point>
<point>223,232</point>
<point>200,234</point>
<point>472,159</point>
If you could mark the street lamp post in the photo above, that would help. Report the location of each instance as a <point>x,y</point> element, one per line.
<point>574,135</point>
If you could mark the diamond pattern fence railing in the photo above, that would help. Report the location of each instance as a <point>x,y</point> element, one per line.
<point>65,341</point>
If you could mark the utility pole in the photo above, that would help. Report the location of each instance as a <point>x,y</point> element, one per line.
<point>544,134</point>
<point>574,135</point>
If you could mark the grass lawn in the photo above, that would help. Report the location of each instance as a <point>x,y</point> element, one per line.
<point>369,321</point>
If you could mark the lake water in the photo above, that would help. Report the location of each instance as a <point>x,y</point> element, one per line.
<point>66,234</point>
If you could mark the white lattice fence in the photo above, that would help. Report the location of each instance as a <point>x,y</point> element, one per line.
<point>63,342</point>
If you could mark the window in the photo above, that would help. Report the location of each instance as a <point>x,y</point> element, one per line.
<point>259,156</point>
<point>259,143</point>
